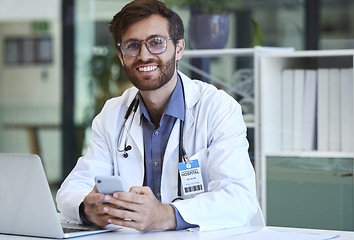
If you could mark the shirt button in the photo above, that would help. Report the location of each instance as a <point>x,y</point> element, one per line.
<point>158,194</point>
<point>156,133</point>
<point>156,164</point>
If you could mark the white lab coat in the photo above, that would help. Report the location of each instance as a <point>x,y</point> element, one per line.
<point>214,132</point>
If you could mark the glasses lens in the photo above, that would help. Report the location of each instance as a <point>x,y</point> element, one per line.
<point>157,44</point>
<point>130,48</point>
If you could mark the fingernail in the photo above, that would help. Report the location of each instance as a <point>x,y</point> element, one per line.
<point>105,209</point>
<point>109,220</point>
<point>107,198</point>
<point>115,195</point>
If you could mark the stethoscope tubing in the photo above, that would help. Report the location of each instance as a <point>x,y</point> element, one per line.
<point>133,108</point>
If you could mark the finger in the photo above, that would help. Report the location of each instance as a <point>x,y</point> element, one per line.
<point>128,197</point>
<point>121,214</point>
<point>135,194</point>
<point>132,200</point>
<point>94,197</point>
<point>124,203</point>
<point>140,190</point>
<point>95,213</point>
<point>127,223</point>
<point>128,219</point>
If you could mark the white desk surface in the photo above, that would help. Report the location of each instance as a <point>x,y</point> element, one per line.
<point>245,233</point>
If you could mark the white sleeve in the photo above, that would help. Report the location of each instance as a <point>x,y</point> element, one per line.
<point>80,182</point>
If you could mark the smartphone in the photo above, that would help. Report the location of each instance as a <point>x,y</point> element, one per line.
<point>109,184</point>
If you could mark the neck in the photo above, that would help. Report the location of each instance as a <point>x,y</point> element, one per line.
<point>156,101</point>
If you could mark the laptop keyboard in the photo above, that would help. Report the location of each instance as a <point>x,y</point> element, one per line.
<point>71,230</point>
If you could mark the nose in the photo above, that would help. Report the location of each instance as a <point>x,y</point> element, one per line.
<point>144,52</point>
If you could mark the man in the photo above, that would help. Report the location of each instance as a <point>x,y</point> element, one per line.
<point>174,116</point>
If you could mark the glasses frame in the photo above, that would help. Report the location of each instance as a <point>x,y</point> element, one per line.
<point>141,42</point>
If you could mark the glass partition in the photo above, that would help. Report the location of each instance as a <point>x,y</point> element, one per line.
<point>30,81</point>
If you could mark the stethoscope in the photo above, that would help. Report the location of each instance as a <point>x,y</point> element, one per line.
<point>132,108</point>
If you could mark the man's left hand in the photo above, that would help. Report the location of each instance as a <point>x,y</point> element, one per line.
<point>140,209</point>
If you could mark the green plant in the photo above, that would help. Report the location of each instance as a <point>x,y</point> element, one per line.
<point>107,79</point>
<point>206,6</point>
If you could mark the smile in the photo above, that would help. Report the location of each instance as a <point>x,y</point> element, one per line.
<point>147,69</point>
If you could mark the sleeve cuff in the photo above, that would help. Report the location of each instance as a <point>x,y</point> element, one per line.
<point>83,215</point>
<point>181,223</point>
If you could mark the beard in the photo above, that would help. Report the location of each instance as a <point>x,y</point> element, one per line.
<point>152,83</point>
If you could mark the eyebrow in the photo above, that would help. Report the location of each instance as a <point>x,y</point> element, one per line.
<point>151,36</point>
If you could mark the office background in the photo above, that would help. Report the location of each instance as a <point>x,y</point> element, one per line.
<point>48,48</point>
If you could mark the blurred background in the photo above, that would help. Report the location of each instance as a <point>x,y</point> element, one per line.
<point>58,64</point>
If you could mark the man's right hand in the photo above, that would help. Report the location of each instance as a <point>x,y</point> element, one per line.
<point>93,205</point>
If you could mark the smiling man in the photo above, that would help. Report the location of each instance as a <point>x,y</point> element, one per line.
<point>179,144</point>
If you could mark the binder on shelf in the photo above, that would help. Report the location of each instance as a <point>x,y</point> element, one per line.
<point>322,109</point>
<point>308,138</point>
<point>334,110</point>
<point>287,85</point>
<point>346,109</point>
<point>298,99</point>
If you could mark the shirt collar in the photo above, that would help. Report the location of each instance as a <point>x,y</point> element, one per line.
<point>174,107</point>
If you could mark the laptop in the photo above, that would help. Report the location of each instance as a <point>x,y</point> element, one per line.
<point>26,203</point>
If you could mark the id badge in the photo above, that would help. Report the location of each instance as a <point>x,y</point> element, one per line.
<point>191,177</point>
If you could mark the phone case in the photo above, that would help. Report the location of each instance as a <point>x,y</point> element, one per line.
<point>109,184</point>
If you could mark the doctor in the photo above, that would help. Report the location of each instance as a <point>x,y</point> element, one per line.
<point>182,150</point>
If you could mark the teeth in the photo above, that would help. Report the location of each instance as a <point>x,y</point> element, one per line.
<point>147,69</point>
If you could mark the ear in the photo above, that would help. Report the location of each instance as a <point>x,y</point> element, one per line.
<point>120,57</point>
<point>180,49</point>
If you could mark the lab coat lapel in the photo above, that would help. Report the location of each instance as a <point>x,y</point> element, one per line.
<point>169,182</point>
<point>173,141</point>
<point>136,133</point>
<point>191,96</point>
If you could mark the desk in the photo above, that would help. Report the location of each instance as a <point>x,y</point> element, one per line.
<point>227,234</point>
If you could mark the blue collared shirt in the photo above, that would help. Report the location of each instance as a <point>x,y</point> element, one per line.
<point>156,137</point>
<point>155,142</point>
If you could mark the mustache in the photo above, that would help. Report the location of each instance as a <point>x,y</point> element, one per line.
<point>141,62</point>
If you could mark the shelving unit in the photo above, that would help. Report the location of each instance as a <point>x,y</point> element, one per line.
<point>251,119</point>
<point>311,189</point>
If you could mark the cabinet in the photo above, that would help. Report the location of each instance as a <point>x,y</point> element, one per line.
<point>307,187</point>
<point>237,72</point>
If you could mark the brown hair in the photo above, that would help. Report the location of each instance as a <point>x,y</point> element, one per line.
<point>138,10</point>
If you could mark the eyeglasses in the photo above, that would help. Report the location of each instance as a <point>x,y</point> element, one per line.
<point>155,44</point>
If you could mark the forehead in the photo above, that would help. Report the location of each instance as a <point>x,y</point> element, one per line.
<point>153,25</point>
